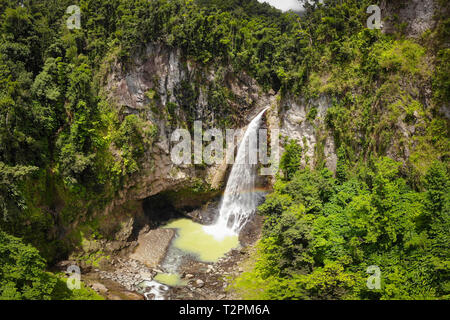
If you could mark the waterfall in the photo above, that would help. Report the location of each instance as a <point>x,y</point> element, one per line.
<point>239,200</point>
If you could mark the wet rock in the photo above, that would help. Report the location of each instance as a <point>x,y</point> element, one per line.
<point>99,287</point>
<point>199,283</point>
<point>149,296</point>
<point>64,264</point>
<point>152,247</point>
<point>133,296</point>
<point>146,275</point>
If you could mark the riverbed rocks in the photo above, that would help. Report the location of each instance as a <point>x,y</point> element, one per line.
<point>100,288</point>
<point>153,246</point>
<point>199,283</point>
<point>210,269</point>
<point>124,277</point>
<point>145,274</point>
<point>133,295</point>
<point>128,272</point>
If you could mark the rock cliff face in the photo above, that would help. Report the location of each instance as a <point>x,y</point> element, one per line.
<point>159,70</point>
<point>416,15</point>
<point>304,121</point>
<point>157,80</point>
<point>167,90</point>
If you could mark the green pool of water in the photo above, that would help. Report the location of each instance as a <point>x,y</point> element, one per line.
<point>192,238</point>
<point>170,279</point>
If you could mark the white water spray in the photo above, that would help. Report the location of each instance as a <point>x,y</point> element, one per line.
<point>153,290</point>
<point>240,199</point>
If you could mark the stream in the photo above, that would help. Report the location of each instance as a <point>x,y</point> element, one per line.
<point>197,258</point>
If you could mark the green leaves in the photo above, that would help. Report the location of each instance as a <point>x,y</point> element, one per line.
<point>22,275</point>
<point>133,137</point>
<point>275,204</point>
<point>291,159</point>
<point>404,56</point>
<point>319,236</point>
<point>11,199</point>
<point>21,271</point>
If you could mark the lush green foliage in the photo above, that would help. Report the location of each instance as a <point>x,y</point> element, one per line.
<point>22,275</point>
<point>322,232</point>
<point>132,138</point>
<point>65,152</point>
<point>56,133</point>
<point>321,235</point>
<point>291,159</point>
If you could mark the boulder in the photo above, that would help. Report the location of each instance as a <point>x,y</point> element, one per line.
<point>152,247</point>
<point>99,287</point>
<point>199,283</point>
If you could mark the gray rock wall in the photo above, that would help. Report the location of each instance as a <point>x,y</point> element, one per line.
<point>416,14</point>
<point>163,69</point>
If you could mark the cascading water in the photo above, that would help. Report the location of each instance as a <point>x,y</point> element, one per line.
<point>240,199</point>
<point>238,205</point>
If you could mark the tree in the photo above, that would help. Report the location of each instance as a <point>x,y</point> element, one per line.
<point>291,159</point>
<point>22,274</point>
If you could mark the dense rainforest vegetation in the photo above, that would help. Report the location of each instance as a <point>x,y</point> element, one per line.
<point>322,230</point>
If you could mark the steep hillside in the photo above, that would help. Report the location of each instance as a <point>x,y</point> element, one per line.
<point>87,114</point>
